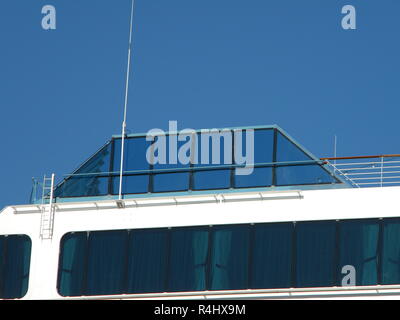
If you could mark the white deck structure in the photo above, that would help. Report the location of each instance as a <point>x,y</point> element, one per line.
<point>244,208</point>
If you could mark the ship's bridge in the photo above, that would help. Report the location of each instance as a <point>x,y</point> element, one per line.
<point>290,228</point>
<point>278,163</point>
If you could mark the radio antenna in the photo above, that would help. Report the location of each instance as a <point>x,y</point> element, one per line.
<point>126,101</point>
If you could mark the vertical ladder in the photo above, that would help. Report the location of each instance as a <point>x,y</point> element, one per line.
<point>47,214</point>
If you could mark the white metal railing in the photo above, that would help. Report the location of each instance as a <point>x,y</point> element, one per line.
<point>367,171</point>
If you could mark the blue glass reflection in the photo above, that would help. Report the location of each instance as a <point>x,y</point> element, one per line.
<point>170,182</point>
<point>134,154</point>
<point>288,151</point>
<point>213,179</point>
<point>302,174</point>
<point>83,186</point>
<point>95,178</point>
<point>133,184</point>
<point>261,177</point>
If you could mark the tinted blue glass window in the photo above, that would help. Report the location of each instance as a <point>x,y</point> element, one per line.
<point>106,262</point>
<point>359,248</point>
<point>263,145</point>
<point>213,179</point>
<point>92,184</point>
<point>272,256</point>
<point>132,184</point>
<point>263,154</point>
<point>15,252</point>
<point>171,160</point>
<point>165,182</point>
<point>302,174</point>
<point>169,182</point>
<point>134,154</point>
<point>391,252</point>
<point>83,186</point>
<point>147,264</point>
<point>260,177</point>
<point>134,161</point>
<point>315,254</point>
<point>188,259</point>
<point>229,258</point>
<point>214,148</point>
<point>219,152</point>
<point>262,149</point>
<point>98,163</point>
<point>72,264</point>
<point>287,151</point>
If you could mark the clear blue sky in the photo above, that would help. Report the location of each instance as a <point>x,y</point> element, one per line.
<point>208,63</point>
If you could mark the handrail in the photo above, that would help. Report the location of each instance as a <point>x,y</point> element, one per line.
<point>202,167</point>
<point>374,173</point>
<point>363,157</point>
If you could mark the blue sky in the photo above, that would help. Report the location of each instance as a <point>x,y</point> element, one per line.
<point>209,63</point>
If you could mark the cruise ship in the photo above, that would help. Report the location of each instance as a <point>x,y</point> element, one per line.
<point>297,227</point>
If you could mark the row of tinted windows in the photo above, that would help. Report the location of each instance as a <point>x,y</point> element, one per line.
<point>270,146</point>
<point>261,256</point>
<point>15,255</point>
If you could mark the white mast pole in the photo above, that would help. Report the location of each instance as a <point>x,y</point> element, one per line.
<point>126,101</point>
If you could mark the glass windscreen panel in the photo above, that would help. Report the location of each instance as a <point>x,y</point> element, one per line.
<point>260,153</point>
<point>171,156</point>
<point>197,161</point>
<point>91,179</point>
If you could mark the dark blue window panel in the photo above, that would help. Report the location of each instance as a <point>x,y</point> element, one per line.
<point>188,259</point>
<point>263,154</point>
<point>359,248</point>
<point>212,179</point>
<point>221,144</point>
<point>315,254</point>
<point>263,145</point>
<point>134,154</point>
<point>229,258</point>
<point>272,256</point>
<point>302,175</point>
<point>72,265</point>
<point>172,158</point>
<point>83,186</point>
<point>99,163</point>
<point>147,264</point>
<point>391,252</point>
<point>288,151</point>
<point>169,182</point>
<point>15,255</point>
<point>261,177</point>
<point>132,184</point>
<point>106,262</point>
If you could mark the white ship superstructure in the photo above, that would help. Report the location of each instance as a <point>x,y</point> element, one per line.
<point>294,228</point>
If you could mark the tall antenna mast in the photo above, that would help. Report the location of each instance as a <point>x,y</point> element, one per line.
<point>126,101</point>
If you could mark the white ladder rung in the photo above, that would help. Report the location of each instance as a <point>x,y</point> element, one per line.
<point>47,215</point>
